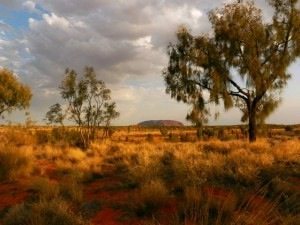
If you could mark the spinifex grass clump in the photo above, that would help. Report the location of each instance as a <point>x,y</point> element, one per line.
<point>150,198</point>
<point>53,212</point>
<point>15,162</point>
<point>50,204</point>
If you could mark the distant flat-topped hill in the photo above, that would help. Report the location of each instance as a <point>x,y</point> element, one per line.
<point>159,123</point>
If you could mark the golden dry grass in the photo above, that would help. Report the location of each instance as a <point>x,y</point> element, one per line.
<point>159,170</point>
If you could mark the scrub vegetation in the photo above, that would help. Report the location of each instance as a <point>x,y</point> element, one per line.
<point>168,179</point>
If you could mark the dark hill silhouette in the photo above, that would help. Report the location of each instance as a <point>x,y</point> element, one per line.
<point>159,123</point>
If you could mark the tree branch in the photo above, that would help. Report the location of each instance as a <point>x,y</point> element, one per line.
<point>238,87</point>
<point>237,94</point>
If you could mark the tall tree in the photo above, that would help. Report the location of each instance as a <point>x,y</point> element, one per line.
<point>243,62</point>
<point>89,102</point>
<point>13,94</point>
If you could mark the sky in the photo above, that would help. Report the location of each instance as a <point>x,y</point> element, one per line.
<point>124,40</point>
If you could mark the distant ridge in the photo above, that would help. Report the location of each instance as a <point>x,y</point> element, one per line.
<point>160,123</point>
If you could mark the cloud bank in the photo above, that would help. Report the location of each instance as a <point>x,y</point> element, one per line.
<point>125,41</point>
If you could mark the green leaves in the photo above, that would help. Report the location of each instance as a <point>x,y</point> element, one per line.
<point>244,59</point>
<point>13,94</point>
<point>89,103</point>
<point>88,98</point>
<point>55,115</point>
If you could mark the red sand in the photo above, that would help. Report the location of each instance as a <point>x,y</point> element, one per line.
<point>12,193</point>
<point>100,190</point>
<point>107,191</point>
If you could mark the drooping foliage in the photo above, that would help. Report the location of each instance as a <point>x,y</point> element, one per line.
<point>243,62</point>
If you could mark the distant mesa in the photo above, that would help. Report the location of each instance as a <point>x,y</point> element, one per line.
<point>160,123</point>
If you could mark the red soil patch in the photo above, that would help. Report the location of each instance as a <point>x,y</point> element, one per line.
<point>100,190</point>
<point>218,193</point>
<point>171,207</point>
<point>104,190</point>
<point>296,183</point>
<point>256,202</point>
<point>169,210</point>
<point>12,193</point>
<point>107,216</point>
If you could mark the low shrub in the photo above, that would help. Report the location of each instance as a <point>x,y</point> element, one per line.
<point>164,131</point>
<point>201,207</point>
<point>44,190</point>
<point>173,171</point>
<point>14,163</point>
<point>213,206</point>
<point>173,137</point>
<point>54,212</point>
<point>70,190</point>
<point>150,197</point>
<point>60,136</point>
<point>43,137</point>
<point>288,128</point>
<point>71,137</point>
<point>18,136</point>
<point>149,137</point>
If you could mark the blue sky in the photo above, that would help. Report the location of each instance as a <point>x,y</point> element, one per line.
<point>17,18</point>
<point>125,41</point>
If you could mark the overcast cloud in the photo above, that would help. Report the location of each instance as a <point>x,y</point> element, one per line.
<point>124,40</point>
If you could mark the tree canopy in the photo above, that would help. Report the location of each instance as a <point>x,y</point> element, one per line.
<point>243,62</point>
<point>13,94</point>
<point>55,114</point>
<point>89,103</point>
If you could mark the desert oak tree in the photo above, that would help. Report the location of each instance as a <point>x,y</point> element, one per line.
<point>243,62</point>
<point>13,94</point>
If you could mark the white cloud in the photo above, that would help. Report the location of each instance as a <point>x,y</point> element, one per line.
<point>144,42</point>
<point>54,20</point>
<point>196,13</point>
<point>29,5</point>
<point>125,41</point>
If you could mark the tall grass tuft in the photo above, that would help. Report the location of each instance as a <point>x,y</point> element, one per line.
<point>53,212</point>
<point>150,197</point>
<point>15,162</point>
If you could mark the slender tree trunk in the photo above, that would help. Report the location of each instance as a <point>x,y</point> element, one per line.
<point>200,132</point>
<point>252,126</point>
